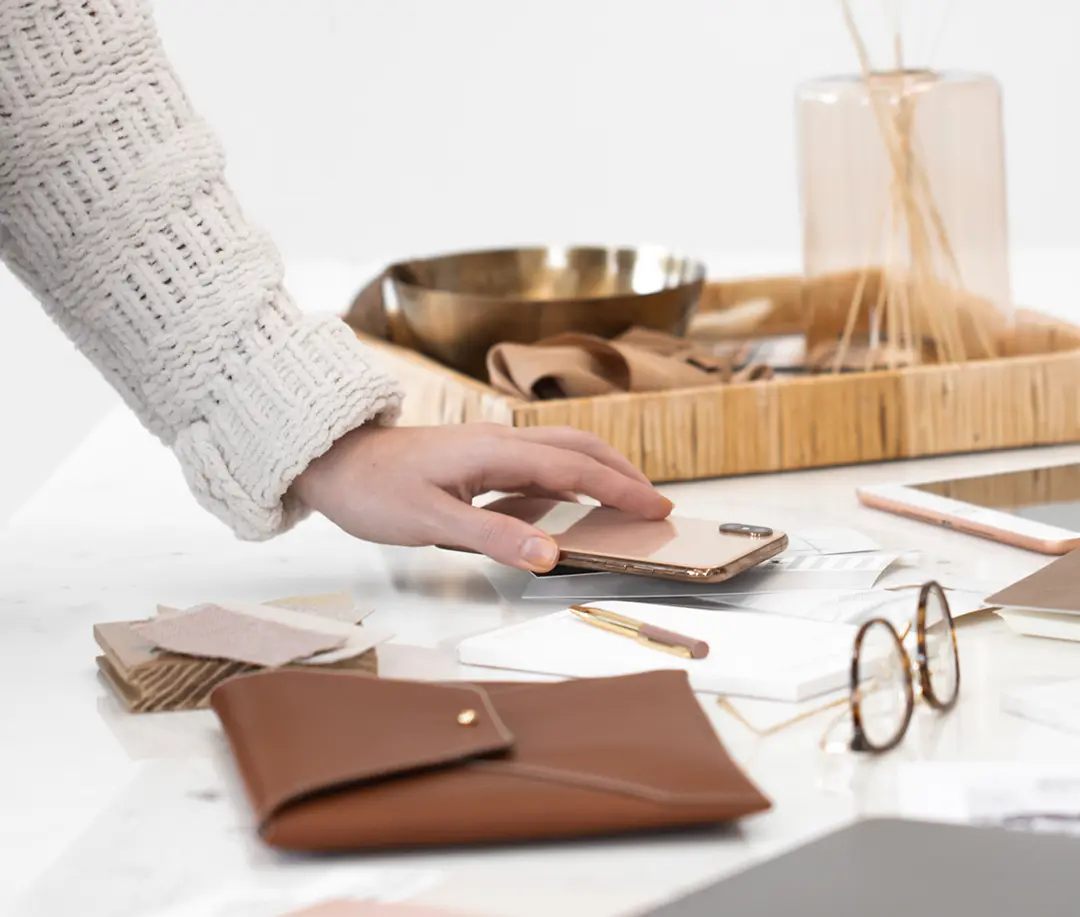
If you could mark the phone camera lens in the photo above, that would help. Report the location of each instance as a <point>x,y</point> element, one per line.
<point>750,531</point>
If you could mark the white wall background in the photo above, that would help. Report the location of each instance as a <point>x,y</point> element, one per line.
<point>365,130</point>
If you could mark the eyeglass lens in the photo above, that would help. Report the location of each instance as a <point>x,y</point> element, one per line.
<point>941,660</point>
<point>884,694</point>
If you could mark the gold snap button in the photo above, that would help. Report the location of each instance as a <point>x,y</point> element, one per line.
<point>466,718</point>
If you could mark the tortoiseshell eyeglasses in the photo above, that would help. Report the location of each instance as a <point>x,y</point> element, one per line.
<point>891,671</point>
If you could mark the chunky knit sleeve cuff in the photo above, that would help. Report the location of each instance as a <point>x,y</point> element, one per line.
<point>305,387</point>
<point>115,211</point>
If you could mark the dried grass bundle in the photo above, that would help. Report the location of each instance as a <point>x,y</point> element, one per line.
<point>913,307</point>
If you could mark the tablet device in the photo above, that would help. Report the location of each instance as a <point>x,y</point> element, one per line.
<point>1037,508</point>
<point>893,868</point>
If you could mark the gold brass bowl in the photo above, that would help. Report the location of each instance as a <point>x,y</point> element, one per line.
<point>454,308</point>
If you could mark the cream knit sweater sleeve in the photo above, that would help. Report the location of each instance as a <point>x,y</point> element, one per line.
<point>115,212</point>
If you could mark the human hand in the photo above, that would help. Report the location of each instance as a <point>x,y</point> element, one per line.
<point>415,485</point>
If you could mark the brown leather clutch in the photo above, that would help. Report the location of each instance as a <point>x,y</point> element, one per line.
<point>334,761</point>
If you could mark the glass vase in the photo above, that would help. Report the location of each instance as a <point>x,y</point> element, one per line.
<point>905,235</point>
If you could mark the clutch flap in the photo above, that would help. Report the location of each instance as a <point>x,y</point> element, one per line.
<point>643,736</point>
<point>296,733</point>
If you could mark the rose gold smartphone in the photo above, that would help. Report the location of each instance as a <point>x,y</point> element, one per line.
<point>609,540</point>
<point>1035,508</point>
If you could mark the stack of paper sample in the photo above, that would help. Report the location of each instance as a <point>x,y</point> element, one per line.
<point>1045,604</point>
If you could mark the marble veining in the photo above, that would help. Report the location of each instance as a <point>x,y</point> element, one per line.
<point>109,815</point>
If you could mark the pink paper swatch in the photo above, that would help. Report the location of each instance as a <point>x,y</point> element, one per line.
<point>370,909</point>
<point>213,632</point>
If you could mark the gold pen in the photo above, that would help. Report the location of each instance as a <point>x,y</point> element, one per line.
<point>649,635</point>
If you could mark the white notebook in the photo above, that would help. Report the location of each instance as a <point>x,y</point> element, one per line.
<point>750,654</point>
<point>1056,625</point>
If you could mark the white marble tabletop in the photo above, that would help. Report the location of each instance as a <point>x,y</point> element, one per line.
<point>110,815</point>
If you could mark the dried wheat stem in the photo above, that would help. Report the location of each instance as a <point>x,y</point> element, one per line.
<point>918,302</point>
<point>989,346</point>
<point>855,307</point>
<point>899,304</point>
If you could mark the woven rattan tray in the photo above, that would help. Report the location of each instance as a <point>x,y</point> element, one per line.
<point>1029,396</point>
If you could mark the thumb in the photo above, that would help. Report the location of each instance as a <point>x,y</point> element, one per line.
<point>504,539</point>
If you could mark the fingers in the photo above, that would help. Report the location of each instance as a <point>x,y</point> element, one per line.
<point>510,466</point>
<point>585,443</point>
<point>564,496</point>
<point>502,538</point>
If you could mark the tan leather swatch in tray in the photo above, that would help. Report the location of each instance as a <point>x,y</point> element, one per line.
<point>583,365</point>
<point>333,762</point>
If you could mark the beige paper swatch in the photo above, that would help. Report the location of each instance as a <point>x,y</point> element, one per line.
<point>338,606</point>
<point>216,632</point>
<point>324,614</point>
<point>358,640</point>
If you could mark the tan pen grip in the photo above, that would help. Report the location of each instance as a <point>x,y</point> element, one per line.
<point>699,649</point>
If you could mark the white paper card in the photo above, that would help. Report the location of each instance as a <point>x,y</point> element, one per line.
<point>789,572</point>
<point>1053,625</point>
<point>830,541</point>
<point>1035,796</point>
<point>751,654</point>
<point>898,606</point>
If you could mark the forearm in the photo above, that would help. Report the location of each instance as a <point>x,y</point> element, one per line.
<point>116,213</point>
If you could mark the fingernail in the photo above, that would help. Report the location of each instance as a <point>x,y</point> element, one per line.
<point>540,553</point>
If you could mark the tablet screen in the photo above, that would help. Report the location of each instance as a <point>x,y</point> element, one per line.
<point>964,870</point>
<point>1047,495</point>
